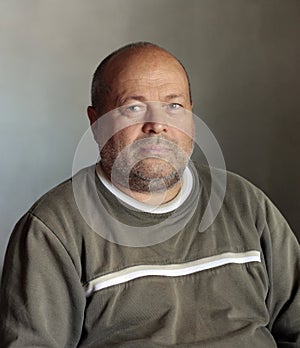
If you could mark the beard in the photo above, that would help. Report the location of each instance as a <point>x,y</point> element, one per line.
<point>152,164</point>
<point>153,175</point>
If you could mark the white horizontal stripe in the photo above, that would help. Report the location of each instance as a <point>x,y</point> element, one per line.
<point>172,270</point>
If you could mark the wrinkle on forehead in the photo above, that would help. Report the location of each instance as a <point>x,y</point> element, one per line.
<point>150,62</point>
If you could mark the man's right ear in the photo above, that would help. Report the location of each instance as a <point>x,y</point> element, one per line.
<point>92,114</point>
<point>93,117</point>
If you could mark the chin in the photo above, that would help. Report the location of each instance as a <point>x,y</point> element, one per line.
<point>153,168</point>
<point>151,182</point>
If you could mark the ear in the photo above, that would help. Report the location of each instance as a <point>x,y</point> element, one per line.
<point>92,114</point>
<point>93,117</point>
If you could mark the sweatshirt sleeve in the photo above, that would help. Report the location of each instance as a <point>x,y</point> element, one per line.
<point>282,258</point>
<point>42,300</point>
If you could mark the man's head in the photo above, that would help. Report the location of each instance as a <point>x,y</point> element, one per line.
<point>101,86</point>
<point>143,79</point>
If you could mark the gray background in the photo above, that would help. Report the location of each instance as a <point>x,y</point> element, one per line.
<point>243,57</point>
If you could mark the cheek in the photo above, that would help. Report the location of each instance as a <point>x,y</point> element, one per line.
<point>128,135</point>
<point>123,139</point>
<point>183,140</point>
<point>112,126</point>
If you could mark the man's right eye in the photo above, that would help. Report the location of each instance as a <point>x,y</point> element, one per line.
<point>134,108</point>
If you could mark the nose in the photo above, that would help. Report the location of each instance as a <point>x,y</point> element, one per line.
<point>154,127</point>
<point>154,121</point>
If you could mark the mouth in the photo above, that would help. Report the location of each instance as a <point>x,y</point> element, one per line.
<point>156,146</point>
<point>155,149</point>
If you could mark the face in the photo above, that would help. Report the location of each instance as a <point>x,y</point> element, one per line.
<point>152,123</point>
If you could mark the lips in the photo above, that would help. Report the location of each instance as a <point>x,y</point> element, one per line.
<point>159,149</point>
<point>154,147</point>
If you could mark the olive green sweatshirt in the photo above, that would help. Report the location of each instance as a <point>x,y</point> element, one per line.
<point>69,283</point>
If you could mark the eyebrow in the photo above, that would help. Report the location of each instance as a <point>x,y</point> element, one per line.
<point>142,98</point>
<point>133,97</point>
<point>174,96</point>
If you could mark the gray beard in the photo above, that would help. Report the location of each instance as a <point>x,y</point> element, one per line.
<point>142,183</point>
<point>133,171</point>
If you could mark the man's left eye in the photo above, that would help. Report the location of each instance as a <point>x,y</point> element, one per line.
<point>175,106</point>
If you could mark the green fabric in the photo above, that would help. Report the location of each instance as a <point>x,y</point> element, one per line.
<point>53,254</point>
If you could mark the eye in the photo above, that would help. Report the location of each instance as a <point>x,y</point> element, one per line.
<point>133,110</point>
<point>174,106</point>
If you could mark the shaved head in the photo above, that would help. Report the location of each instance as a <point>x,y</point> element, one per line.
<point>102,77</point>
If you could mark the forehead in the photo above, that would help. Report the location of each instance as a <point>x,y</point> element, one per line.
<point>148,67</point>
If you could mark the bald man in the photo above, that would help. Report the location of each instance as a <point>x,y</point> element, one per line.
<point>113,257</point>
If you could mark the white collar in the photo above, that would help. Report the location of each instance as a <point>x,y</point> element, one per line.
<point>186,188</point>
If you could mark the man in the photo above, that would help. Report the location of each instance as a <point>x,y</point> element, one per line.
<point>71,282</point>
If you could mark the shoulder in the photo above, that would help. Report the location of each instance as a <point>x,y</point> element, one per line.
<point>239,196</point>
<point>234,185</point>
<point>57,211</point>
<point>59,197</point>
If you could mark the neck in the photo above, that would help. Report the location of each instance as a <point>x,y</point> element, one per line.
<point>151,198</point>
